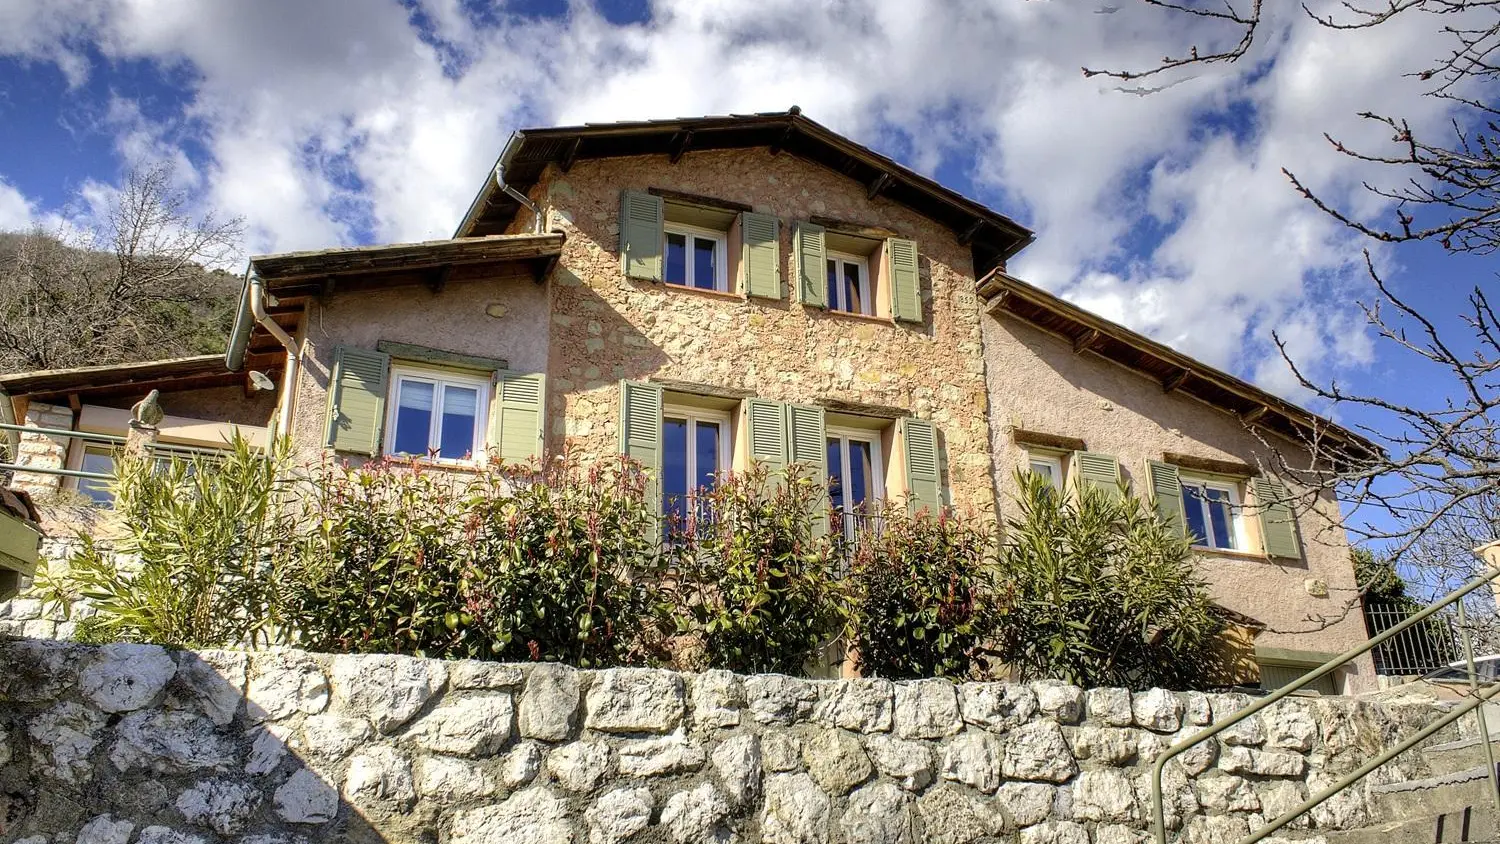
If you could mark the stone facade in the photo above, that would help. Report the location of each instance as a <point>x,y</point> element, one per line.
<point>42,450</point>
<point>605,327</point>
<point>135,743</point>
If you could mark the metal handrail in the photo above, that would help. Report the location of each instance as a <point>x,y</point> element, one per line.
<point>63,432</point>
<point>1158,815</point>
<point>157,448</point>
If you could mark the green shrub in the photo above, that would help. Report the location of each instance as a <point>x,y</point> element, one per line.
<point>922,597</point>
<point>1097,590</point>
<point>754,582</point>
<point>191,560</point>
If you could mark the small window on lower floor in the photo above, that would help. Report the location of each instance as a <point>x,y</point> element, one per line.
<point>1215,517</point>
<point>1047,466</point>
<point>695,452</point>
<point>855,479</point>
<point>437,416</point>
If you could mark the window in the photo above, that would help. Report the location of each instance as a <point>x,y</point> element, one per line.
<point>436,415</point>
<point>1214,515</point>
<point>849,284</point>
<point>855,478</point>
<point>695,257</point>
<point>97,459</point>
<point>1048,466</point>
<point>695,450</point>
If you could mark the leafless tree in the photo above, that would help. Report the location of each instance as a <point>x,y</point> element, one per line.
<point>133,286</point>
<point>1435,491</point>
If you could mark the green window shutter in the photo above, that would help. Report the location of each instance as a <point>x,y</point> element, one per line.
<point>1101,471</point>
<point>812,264</point>
<point>640,431</point>
<point>1166,491</point>
<point>641,235</point>
<point>924,475</point>
<point>807,445</point>
<point>760,233</point>
<point>905,286</point>
<point>767,425</point>
<point>1278,525</point>
<point>356,400</point>
<point>516,418</point>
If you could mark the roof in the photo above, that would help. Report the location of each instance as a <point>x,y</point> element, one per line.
<point>993,237</point>
<point>187,373</point>
<point>1008,296</point>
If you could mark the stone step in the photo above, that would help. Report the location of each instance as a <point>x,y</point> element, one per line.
<point>1431,796</point>
<point>1448,828</point>
<point>1454,756</point>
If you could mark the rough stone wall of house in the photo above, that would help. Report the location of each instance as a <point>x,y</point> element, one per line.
<point>606,327</point>
<point>501,317</point>
<point>1037,383</point>
<point>42,450</point>
<point>26,615</point>
<point>135,743</point>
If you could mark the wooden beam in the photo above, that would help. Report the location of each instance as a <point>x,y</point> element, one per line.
<point>1086,341</point>
<point>1254,414</point>
<point>997,304</point>
<point>1041,439</point>
<point>698,199</point>
<point>879,184</point>
<point>437,278</point>
<point>1174,382</point>
<point>1216,466</point>
<point>571,155</point>
<point>544,269</point>
<point>327,287</point>
<point>836,225</point>
<point>780,143</point>
<point>73,403</point>
<point>679,145</point>
<point>967,235</point>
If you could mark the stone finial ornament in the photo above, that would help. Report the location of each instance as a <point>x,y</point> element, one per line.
<point>148,410</point>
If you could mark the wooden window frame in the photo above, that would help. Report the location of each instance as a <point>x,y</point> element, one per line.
<point>866,284</point>
<point>692,416</point>
<point>1057,460</point>
<point>1238,525</point>
<point>721,255</point>
<point>442,378</point>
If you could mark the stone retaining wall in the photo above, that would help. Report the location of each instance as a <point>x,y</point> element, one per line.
<point>132,744</point>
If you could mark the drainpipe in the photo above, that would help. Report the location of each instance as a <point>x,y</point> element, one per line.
<point>255,292</point>
<point>536,213</point>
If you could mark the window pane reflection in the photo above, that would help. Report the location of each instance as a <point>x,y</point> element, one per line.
<point>852,302</point>
<point>704,260</point>
<point>675,271</point>
<point>414,417</point>
<point>460,411</point>
<point>674,468</point>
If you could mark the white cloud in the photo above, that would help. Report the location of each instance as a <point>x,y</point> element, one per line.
<point>1167,212</point>
<point>15,210</point>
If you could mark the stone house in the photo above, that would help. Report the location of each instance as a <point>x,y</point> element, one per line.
<point>703,293</point>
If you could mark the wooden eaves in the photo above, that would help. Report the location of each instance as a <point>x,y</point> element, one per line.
<point>1005,295</point>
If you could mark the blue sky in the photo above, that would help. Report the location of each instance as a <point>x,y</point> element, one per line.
<point>322,126</point>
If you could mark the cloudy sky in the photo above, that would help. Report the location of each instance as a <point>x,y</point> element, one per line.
<point>327,122</point>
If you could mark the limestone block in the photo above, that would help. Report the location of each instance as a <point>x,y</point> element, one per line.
<point>470,726</point>
<point>1249,732</point>
<point>1265,763</point>
<point>781,752</point>
<point>167,835</point>
<point>696,816</point>
<point>306,798</point>
<point>104,829</point>
<point>1038,751</point>
<point>449,779</point>
<point>221,805</point>
<point>974,760</point>
<point>1025,803</point>
<point>521,764</point>
<point>533,816</point>
<point>779,700</point>
<point>1227,794</point>
<point>388,690</point>
<point>549,705</point>
<point>879,813</point>
<point>124,677</point>
<point>1109,745</point>
<point>488,676</point>
<point>1110,707</point>
<point>796,811</point>
<point>927,709</point>
<point>1158,710</point>
<point>718,698</point>
<point>1196,708</point>
<point>1060,700</point>
<point>334,736</point>
<point>33,670</point>
<point>213,681</point>
<point>673,754</point>
<point>1055,832</point>
<point>737,761</point>
<point>618,815</point>
<point>909,763</point>
<point>267,749</point>
<point>286,682</point>
<point>581,766</point>
<point>1215,829</point>
<point>997,706</point>
<point>1345,810</point>
<point>1279,797</point>
<point>169,742</point>
<point>635,700</point>
<point>1119,834</point>
<point>950,816</point>
<point>69,732</point>
<point>1290,726</point>
<point>1105,795</point>
<point>380,777</point>
<point>862,705</point>
<point>836,760</point>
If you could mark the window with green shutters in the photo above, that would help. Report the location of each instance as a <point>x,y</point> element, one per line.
<point>1166,493</point>
<point>516,420</point>
<point>640,430</point>
<point>760,234</point>
<point>766,424</point>
<point>1278,524</point>
<point>1101,471</point>
<point>904,283</point>
<point>641,221</point>
<point>356,400</point>
<point>811,252</point>
<point>924,475</point>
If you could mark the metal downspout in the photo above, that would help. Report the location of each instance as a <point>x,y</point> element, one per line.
<point>255,291</point>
